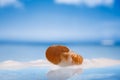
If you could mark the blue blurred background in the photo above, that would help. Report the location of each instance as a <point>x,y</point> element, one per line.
<point>90,28</point>
<point>28,27</point>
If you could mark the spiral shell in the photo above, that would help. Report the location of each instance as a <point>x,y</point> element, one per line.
<point>76,59</point>
<point>61,55</point>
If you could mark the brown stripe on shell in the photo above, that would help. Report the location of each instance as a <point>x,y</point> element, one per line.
<point>53,53</point>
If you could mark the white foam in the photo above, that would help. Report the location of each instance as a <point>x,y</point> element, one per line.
<point>87,63</point>
<point>107,42</point>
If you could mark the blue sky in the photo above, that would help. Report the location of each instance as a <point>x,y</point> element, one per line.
<point>59,20</point>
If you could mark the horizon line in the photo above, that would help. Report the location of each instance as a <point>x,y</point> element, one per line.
<point>82,42</point>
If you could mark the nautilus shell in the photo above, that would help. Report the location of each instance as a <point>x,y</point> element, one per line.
<point>61,55</point>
